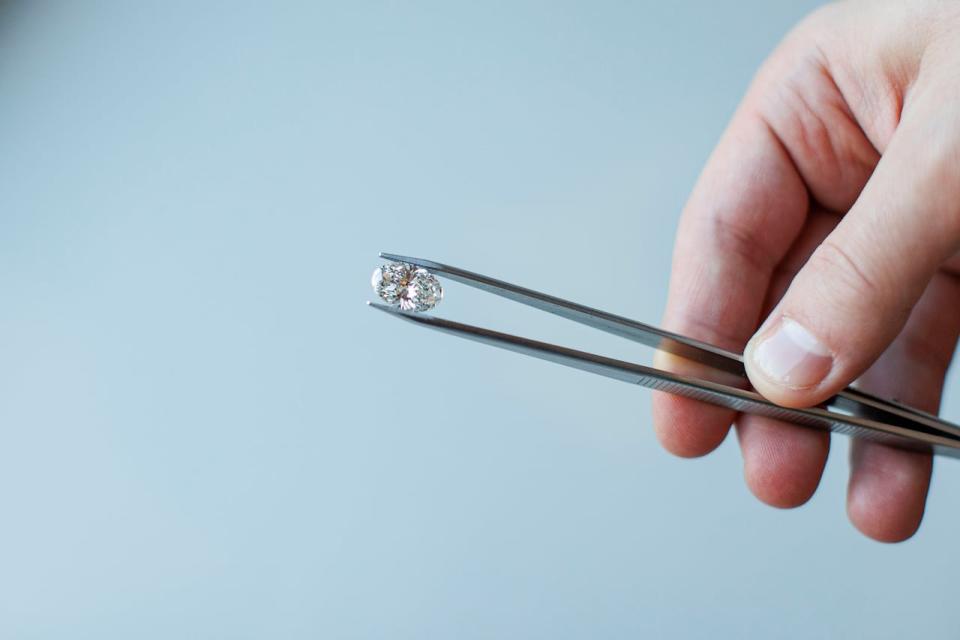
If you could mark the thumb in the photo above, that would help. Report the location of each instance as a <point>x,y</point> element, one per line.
<point>856,291</point>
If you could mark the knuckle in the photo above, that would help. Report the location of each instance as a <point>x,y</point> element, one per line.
<point>844,272</point>
<point>742,241</point>
<point>845,282</point>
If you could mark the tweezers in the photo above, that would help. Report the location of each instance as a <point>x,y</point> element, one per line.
<point>852,412</point>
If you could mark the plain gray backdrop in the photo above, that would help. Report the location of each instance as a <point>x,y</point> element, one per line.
<point>206,434</point>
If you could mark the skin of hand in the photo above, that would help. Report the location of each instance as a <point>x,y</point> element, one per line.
<point>830,210</point>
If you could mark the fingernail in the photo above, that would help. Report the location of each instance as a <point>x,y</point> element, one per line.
<point>792,356</point>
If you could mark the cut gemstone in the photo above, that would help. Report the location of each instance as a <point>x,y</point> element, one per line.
<point>411,288</point>
<point>423,293</point>
<point>390,280</point>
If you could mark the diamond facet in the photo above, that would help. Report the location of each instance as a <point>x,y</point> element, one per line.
<point>411,288</point>
<point>390,280</point>
<point>423,293</point>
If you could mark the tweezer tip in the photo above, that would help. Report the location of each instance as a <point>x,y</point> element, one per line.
<point>417,318</point>
<point>385,308</point>
<point>407,259</point>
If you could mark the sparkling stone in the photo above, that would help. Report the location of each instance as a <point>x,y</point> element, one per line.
<point>390,280</point>
<point>423,293</point>
<point>411,288</point>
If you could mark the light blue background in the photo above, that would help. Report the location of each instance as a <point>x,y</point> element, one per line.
<point>205,434</point>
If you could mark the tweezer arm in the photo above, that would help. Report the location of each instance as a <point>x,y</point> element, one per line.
<point>646,334</point>
<point>704,390</point>
<point>849,400</point>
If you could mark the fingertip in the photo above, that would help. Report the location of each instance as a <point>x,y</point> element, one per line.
<point>782,463</point>
<point>688,428</point>
<point>880,524</point>
<point>887,494</point>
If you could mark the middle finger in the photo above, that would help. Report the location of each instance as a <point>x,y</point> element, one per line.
<point>783,462</point>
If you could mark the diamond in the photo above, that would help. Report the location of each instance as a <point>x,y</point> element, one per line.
<point>390,280</point>
<point>423,293</point>
<point>409,287</point>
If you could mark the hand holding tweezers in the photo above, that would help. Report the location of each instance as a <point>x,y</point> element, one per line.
<point>853,412</point>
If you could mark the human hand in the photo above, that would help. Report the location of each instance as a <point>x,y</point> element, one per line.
<point>831,209</point>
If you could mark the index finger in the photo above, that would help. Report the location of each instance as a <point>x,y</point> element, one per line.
<point>744,213</point>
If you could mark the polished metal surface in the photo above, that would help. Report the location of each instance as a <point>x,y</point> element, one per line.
<point>852,412</point>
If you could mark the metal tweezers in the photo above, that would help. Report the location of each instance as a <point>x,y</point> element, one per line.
<point>851,411</point>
